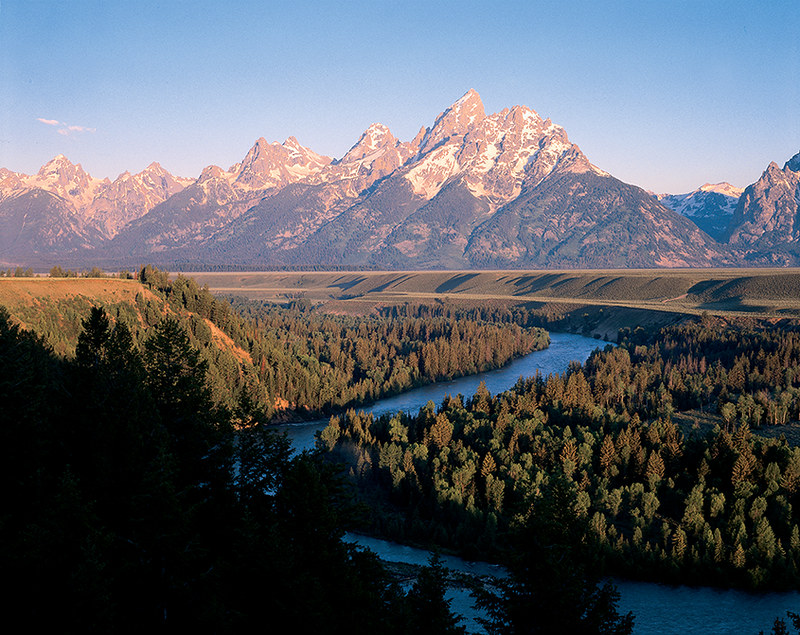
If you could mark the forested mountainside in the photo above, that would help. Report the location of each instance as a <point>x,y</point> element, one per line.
<point>507,189</point>
<point>658,494</point>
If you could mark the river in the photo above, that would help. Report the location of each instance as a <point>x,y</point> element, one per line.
<point>658,608</point>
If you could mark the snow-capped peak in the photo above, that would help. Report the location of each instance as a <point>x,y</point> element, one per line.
<point>212,172</point>
<point>154,168</point>
<point>271,165</point>
<point>58,163</point>
<point>494,155</point>
<point>293,145</point>
<point>469,101</point>
<point>375,138</point>
<point>710,206</point>
<point>723,188</point>
<point>458,119</point>
<point>68,180</point>
<point>372,136</point>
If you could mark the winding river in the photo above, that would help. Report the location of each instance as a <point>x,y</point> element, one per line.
<point>658,608</point>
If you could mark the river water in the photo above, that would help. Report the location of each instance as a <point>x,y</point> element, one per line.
<point>658,608</point>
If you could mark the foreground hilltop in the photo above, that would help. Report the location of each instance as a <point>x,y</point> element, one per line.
<point>473,190</point>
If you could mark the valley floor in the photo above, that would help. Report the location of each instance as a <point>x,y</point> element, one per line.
<point>594,302</point>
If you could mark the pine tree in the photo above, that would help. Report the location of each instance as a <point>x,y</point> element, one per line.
<point>428,609</point>
<point>552,588</point>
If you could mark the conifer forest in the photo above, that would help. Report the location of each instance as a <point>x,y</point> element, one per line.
<point>145,486</point>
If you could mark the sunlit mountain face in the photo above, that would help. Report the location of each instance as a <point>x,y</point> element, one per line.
<point>507,189</point>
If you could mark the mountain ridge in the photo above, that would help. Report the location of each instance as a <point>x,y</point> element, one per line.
<point>472,190</point>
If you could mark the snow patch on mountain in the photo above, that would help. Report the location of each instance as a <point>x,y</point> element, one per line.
<point>711,206</point>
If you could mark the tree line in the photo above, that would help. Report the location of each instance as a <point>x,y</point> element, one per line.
<point>295,361</point>
<point>310,362</point>
<point>329,362</point>
<point>660,502</point>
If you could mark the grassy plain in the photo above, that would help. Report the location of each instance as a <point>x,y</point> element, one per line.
<point>26,298</point>
<point>21,291</point>
<point>750,291</point>
<point>597,302</point>
<point>602,300</point>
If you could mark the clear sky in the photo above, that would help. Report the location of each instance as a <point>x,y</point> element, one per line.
<point>665,94</point>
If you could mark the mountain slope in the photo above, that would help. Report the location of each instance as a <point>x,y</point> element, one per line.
<point>484,193</point>
<point>64,208</point>
<point>37,225</point>
<point>280,219</point>
<point>185,221</point>
<point>579,218</point>
<point>131,196</point>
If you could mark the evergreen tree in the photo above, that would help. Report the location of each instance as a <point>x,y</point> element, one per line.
<point>553,587</point>
<point>428,609</point>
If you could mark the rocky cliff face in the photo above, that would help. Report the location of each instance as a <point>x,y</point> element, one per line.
<point>765,226</point>
<point>579,218</point>
<point>507,189</point>
<point>130,197</point>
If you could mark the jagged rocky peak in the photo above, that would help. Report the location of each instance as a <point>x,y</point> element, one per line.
<point>293,146</point>
<point>274,164</point>
<point>154,168</point>
<point>524,117</point>
<point>55,162</point>
<point>766,215</point>
<point>375,138</point>
<point>495,155</point>
<point>467,109</point>
<point>793,164</point>
<point>260,149</point>
<point>456,120</point>
<point>156,175</point>
<point>212,172</point>
<point>68,180</point>
<point>60,169</point>
<point>301,155</point>
<point>153,177</point>
<point>710,206</point>
<point>774,175</point>
<point>9,180</point>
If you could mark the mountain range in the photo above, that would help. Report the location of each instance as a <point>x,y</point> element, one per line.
<point>504,190</point>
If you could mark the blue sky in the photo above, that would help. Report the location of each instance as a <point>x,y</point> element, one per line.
<point>667,95</point>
